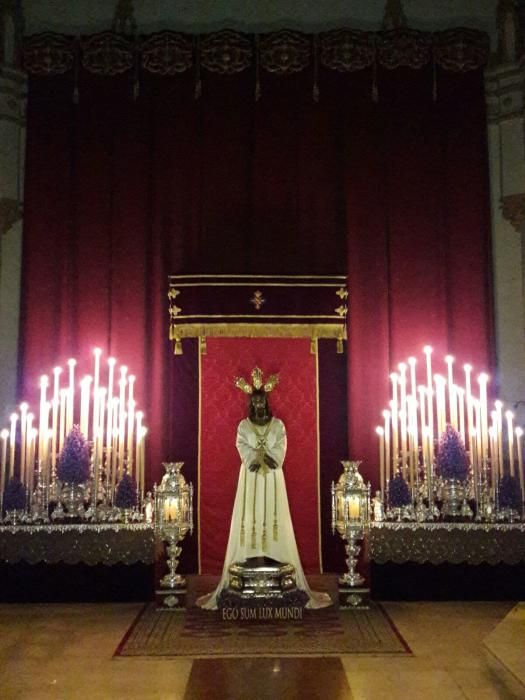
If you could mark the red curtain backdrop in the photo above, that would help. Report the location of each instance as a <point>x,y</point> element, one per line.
<point>121,192</point>
<point>223,406</point>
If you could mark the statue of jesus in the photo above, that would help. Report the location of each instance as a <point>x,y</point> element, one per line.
<point>261,525</point>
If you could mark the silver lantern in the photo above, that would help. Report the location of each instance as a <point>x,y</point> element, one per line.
<point>351,519</point>
<point>173,519</point>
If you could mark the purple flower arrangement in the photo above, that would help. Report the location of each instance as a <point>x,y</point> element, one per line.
<point>73,461</point>
<point>398,493</point>
<point>126,495</point>
<point>509,493</point>
<point>452,460</point>
<point>14,495</point>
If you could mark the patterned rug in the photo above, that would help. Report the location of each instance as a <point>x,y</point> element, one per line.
<point>205,634</point>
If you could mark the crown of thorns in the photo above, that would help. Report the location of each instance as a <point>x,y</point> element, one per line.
<point>258,383</point>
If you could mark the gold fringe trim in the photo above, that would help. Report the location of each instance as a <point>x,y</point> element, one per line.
<point>275,524</point>
<point>254,531</point>
<point>264,539</point>
<point>243,531</point>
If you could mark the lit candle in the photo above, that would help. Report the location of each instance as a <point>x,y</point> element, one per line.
<point>139,416</point>
<point>424,435</point>
<point>71,395</point>
<point>494,442</point>
<point>131,422</point>
<point>121,435</point>
<point>111,365</point>
<point>23,427</point>
<point>403,414</point>
<point>510,434</point>
<point>43,387</point>
<point>386,418</point>
<point>482,380</point>
<point>394,413</point>
<point>381,433</point>
<point>519,434</point>
<point>468,392</point>
<point>57,371</point>
<point>143,433</point>
<point>85,392</point>
<point>440,402</point>
<point>30,458</point>
<point>353,508</point>
<point>101,416</point>
<point>3,435</point>
<point>96,379</point>
<point>63,417</point>
<point>12,444</point>
<point>499,412</point>
<point>461,400</point>
<point>451,397</point>
<point>34,435</point>
<point>430,406</point>
<point>413,387</point>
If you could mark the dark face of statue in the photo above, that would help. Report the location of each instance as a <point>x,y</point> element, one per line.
<point>259,408</point>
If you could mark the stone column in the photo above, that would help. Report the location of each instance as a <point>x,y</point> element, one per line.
<point>506,138</point>
<point>12,156</point>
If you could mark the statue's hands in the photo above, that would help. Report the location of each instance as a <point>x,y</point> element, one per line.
<point>270,461</point>
<point>254,467</point>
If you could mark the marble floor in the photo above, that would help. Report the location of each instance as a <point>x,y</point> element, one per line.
<point>460,650</point>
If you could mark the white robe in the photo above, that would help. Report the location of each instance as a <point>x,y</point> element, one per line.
<point>261,504</point>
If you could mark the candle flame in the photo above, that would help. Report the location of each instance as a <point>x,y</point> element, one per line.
<point>402,367</point>
<point>483,378</point>
<point>411,360</point>
<point>498,404</point>
<point>449,359</point>
<point>386,414</point>
<point>71,362</point>
<point>123,371</point>
<point>467,368</point>
<point>394,376</point>
<point>427,349</point>
<point>97,351</point>
<point>44,381</point>
<point>13,417</point>
<point>509,415</point>
<point>111,361</point>
<point>519,432</point>
<point>4,434</point>
<point>23,406</point>
<point>57,370</point>
<point>379,430</point>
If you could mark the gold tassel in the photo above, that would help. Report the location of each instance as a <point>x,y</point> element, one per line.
<point>178,347</point>
<point>243,534</point>
<point>275,531</point>
<point>254,538</point>
<point>172,332</point>
<point>313,346</point>
<point>339,346</point>
<point>202,343</point>
<point>264,539</point>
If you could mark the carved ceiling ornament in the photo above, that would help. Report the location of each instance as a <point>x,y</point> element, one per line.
<point>107,53</point>
<point>226,52</point>
<point>394,16</point>
<point>124,18</point>
<point>513,210</point>
<point>282,53</point>
<point>509,33</point>
<point>345,50</point>
<point>461,50</point>
<point>47,54</point>
<point>403,47</point>
<point>10,213</point>
<point>285,52</point>
<point>167,53</point>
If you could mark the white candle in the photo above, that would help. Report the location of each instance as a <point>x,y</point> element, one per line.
<point>386,417</point>
<point>519,434</point>
<point>451,396</point>
<point>30,458</point>
<point>12,444</point>
<point>138,432</point>
<point>71,395</point>
<point>403,414</point>
<point>482,380</point>
<point>121,436</point>
<point>43,387</point>
<point>461,400</point>
<point>510,435</point>
<point>57,371</point>
<point>394,413</point>
<point>413,387</point>
<point>63,418</point>
<point>131,422</point>
<point>424,435</point>
<point>499,412</point>
<point>494,443</point>
<point>85,392</point>
<point>45,433</point>
<point>23,427</point>
<point>430,404</point>
<point>111,365</point>
<point>381,433</point>
<point>3,435</point>
<point>101,426</point>
<point>143,433</point>
<point>96,379</point>
<point>440,402</point>
<point>468,393</point>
